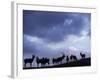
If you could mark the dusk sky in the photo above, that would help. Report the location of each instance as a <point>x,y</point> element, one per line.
<point>47,33</point>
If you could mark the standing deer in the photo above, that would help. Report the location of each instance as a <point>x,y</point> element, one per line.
<point>82,55</point>
<point>38,61</point>
<point>67,58</point>
<point>73,57</point>
<point>46,60</point>
<point>42,61</point>
<point>29,60</point>
<point>59,59</point>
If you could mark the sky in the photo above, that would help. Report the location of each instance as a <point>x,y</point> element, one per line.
<point>48,34</point>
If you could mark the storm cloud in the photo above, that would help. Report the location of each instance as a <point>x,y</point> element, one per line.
<point>50,25</point>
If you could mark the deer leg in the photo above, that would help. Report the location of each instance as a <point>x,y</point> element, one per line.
<point>48,63</point>
<point>37,65</point>
<point>25,64</point>
<point>30,64</point>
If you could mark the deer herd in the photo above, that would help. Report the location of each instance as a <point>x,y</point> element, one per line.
<point>46,61</point>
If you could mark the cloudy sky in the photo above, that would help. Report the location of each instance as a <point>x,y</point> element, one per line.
<point>47,33</point>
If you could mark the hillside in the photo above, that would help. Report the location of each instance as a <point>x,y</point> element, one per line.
<point>82,62</point>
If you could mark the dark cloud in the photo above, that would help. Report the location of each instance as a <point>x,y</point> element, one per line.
<point>51,25</point>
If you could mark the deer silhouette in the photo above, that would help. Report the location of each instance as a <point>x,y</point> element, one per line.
<point>46,60</point>
<point>42,61</point>
<point>54,60</point>
<point>29,60</point>
<point>82,55</point>
<point>38,61</point>
<point>58,60</point>
<point>67,58</point>
<point>73,57</point>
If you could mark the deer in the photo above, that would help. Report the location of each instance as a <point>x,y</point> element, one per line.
<point>59,59</point>
<point>38,61</point>
<point>67,58</point>
<point>29,60</point>
<point>82,55</point>
<point>46,60</point>
<point>54,60</point>
<point>42,61</point>
<point>73,57</point>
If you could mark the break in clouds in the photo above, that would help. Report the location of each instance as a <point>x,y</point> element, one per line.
<point>50,33</point>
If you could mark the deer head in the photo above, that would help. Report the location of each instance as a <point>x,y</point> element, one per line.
<point>33,56</point>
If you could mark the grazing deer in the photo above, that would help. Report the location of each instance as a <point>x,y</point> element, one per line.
<point>29,60</point>
<point>67,58</point>
<point>73,57</point>
<point>59,59</point>
<point>82,55</point>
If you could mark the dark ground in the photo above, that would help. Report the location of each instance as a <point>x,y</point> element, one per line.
<point>79,63</point>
